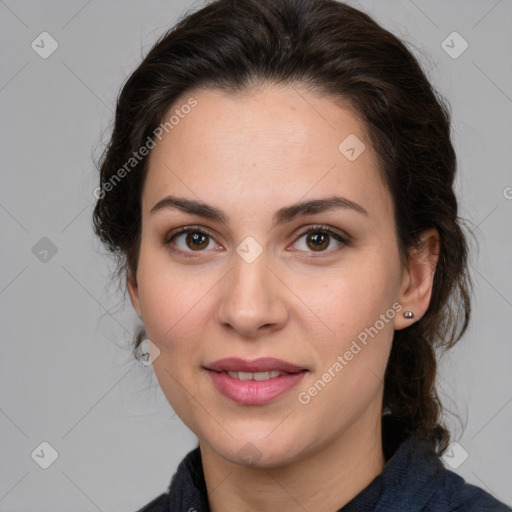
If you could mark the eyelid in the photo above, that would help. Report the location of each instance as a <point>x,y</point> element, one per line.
<point>324,228</point>
<point>340,236</point>
<point>186,229</point>
<point>168,238</point>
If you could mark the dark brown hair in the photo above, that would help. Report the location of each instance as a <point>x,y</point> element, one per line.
<point>333,49</point>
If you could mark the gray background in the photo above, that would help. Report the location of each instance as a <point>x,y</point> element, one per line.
<point>65,369</point>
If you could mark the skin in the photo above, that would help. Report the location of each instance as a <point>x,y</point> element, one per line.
<point>249,155</point>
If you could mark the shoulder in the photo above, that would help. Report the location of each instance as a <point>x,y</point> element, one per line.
<point>416,479</point>
<point>461,496</point>
<point>187,489</point>
<point>159,504</point>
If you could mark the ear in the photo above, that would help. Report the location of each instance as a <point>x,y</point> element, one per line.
<point>418,278</point>
<point>133,290</point>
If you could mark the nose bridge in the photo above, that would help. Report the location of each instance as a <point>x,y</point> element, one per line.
<point>251,297</point>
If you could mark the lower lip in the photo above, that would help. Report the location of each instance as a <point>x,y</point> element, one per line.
<point>254,392</point>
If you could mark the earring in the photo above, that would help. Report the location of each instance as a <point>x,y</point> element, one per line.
<point>408,314</point>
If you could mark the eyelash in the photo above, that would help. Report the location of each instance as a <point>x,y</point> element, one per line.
<point>320,228</point>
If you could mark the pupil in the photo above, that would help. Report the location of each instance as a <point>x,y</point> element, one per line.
<point>196,241</point>
<point>320,240</point>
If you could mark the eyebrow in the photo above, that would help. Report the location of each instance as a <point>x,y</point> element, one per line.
<point>286,214</point>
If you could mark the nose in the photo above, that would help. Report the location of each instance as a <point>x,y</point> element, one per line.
<point>253,299</point>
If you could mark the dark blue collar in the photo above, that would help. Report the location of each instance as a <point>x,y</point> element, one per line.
<point>413,479</point>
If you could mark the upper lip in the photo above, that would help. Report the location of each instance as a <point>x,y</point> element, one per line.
<point>263,364</point>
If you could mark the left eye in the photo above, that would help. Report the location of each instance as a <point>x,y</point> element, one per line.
<point>318,240</point>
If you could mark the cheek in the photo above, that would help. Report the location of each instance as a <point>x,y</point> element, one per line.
<point>353,329</point>
<point>352,298</point>
<point>175,311</point>
<point>174,303</point>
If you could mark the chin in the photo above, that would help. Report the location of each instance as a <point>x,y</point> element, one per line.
<point>258,451</point>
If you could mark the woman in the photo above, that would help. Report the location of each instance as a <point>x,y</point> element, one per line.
<point>278,188</point>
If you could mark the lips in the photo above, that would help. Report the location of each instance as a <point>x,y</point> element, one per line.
<point>263,364</point>
<point>254,382</point>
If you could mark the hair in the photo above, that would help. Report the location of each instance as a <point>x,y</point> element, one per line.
<point>340,52</point>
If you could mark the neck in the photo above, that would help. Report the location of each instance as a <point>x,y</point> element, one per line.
<point>325,480</point>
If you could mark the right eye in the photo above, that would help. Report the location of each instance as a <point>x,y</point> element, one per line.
<point>190,239</point>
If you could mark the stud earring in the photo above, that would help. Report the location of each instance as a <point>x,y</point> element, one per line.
<point>408,314</point>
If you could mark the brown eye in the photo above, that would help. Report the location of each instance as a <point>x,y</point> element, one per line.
<point>197,241</point>
<point>190,239</point>
<point>318,241</point>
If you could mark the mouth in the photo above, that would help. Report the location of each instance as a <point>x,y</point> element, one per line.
<point>258,376</point>
<point>254,382</point>
<point>261,365</point>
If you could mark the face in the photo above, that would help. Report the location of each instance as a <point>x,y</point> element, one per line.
<point>259,273</point>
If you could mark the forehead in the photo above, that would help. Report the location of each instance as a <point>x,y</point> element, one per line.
<point>273,143</point>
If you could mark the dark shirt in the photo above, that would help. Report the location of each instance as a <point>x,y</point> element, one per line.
<point>413,479</point>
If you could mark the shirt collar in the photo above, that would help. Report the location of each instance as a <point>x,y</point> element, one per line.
<point>412,468</point>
